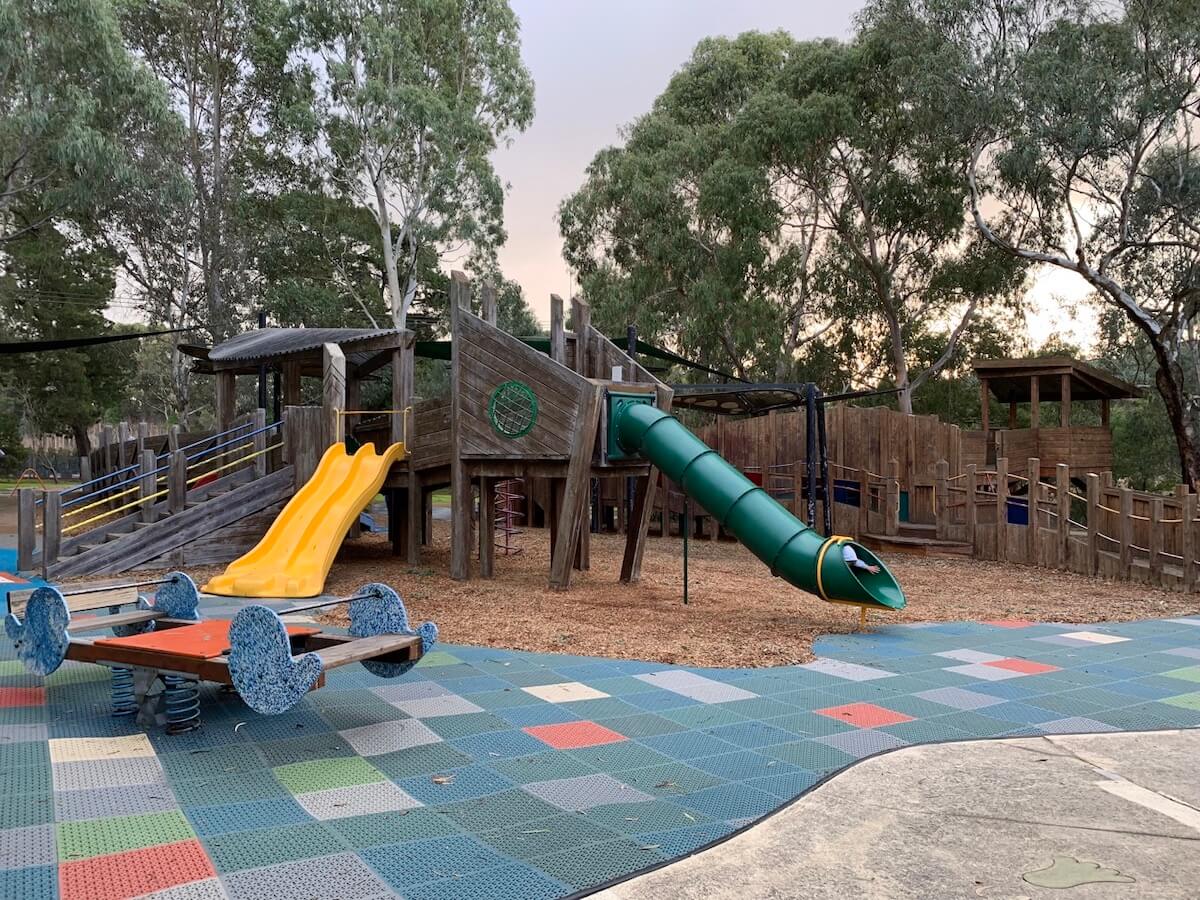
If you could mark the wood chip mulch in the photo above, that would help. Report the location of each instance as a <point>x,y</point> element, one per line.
<point>738,615</point>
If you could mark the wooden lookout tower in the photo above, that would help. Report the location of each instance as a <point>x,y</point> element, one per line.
<point>1056,379</point>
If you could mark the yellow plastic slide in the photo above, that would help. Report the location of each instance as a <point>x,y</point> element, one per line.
<point>293,558</point>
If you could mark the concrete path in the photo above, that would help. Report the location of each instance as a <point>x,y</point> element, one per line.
<point>976,819</point>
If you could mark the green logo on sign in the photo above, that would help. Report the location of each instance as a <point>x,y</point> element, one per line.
<point>513,409</point>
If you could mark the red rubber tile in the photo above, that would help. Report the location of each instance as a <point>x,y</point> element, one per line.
<point>120,876</point>
<point>22,696</point>
<point>1010,623</point>
<point>864,715</point>
<point>573,735</point>
<point>1024,666</point>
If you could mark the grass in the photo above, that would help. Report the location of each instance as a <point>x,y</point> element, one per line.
<point>8,484</point>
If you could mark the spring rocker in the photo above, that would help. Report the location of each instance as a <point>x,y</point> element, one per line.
<point>162,640</point>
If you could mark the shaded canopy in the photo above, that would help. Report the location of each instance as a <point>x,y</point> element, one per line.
<point>1009,380</point>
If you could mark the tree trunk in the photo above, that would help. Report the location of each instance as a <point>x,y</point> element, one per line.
<point>900,367</point>
<point>1169,380</point>
<point>83,444</point>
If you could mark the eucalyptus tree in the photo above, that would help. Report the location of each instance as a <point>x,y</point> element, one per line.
<point>412,98</point>
<point>1083,124</point>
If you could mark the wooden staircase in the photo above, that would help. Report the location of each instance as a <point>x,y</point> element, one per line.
<point>915,540</point>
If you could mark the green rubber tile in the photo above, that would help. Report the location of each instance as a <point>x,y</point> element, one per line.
<point>619,685</point>
<point>24,780</point>
<point>498,811</point>
<point>220,790</point>
<point>601,708</point>
<point>13,667</point>
<point>973,724</point>
<point>669,779</point>
<point>268,846</point>
<point>759,708</point>
<point>547,836</point>
<point>1186,701</point>
<point>704,715</point>
<point>365,712</point>
<point>24,753</point>
<point>810,724</point>
<point>542,767</point>
<point>422,760</point>
<point>1188,673</point>
<point>503,699</point>
<point>438,658</point>
<point>23,810</point>
<point>80,674</point>
<point>1069,703</point>
<point>232,759</point>
<point>466,724</point>
<point>641,725</point>
<point>619,756</point>
<point>528,677</point>
<point>649,815</point>
<point>322,774</point>
<point>376,829</point>
<point>305,748</point>
<point>99,837</point>
<point>586,866</point>
<point>809,755</point>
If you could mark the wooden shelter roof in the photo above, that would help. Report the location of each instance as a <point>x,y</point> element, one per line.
<point>1009,380</point>
<point>366,349</point>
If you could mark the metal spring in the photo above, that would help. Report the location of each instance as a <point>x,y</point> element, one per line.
<point>182,697</point>
<point>124,703</point>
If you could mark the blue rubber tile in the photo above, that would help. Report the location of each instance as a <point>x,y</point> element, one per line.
<point>541,767</point>
<point>641,725</point>
<point>404,865</point>
<point>703,715</point>
<point>248,816</point>
<point>786,785</point>
<point>808,724</point>
<point>731,801</point>
<point>1019,713</point>
<point>22,848</point>
<point>657,700</point>
<point>621,756</point>
<point>478,684</point>
<point>588,866</point>
<point>681,841</point>
<point>741,765</point>
<point>751,734</point>
<point>538,713</point>
<point>455,784</point>
<point>1075,725</point>
<point>29,883</point>
<point>504,698</point>
<point>672,779</point>
<point>810,755</point>
<point>863,742</point>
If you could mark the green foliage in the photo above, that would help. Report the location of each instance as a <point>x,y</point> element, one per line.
<point>64,391</point>
<point>414,98</point>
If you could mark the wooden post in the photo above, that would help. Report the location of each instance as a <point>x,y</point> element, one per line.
<point>148,486</point>
<point>416,517</point>
<point>143,432</point>
<point>106,451</point>
<point>304,435</point>
<point>983,407</point>
<point>1188,540</point>
<point>558,333</point>
<point>941,506</point>
<point>172,438</point>
<point>489,311</point>
<point>1125,527</point>
<point>1093,524</point>
<point>226,399</point>
<point>123,459</point>
<point>260,443</point>
<point>85,469</point>
<point>460,479</point>
<point>581,312</point>
<point>1156,541</point>
<point>1105,412</point>
<point>26,528</point>
<point>487,527</point>
<point>333,389</point>
<point>575,491</point>
<point>970,512</point>
<point>291,383</point>
<point>1034,402</point>
<point>353,401</point>
<point>1012,416</point>
<point>1033,532</point>
<point>403,368</point>
<point>891,512</point>
<point>51,530</point>
<point>1002,509</point>
<point>1064,414</point>
<point>1062,496</point>
<point>177,483</point>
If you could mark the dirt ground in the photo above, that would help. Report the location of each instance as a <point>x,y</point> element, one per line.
<point>738,615</point>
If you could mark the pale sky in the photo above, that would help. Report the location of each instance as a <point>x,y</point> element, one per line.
<point>599,65</point>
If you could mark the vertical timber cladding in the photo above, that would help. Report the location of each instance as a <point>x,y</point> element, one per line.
<point>515,401</point>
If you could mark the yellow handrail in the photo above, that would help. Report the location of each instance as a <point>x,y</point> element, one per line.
<point>236,462</point>
<point>219,455</point>
<point>138,502</point>
<point>342,413</point>
<point>107,499</point>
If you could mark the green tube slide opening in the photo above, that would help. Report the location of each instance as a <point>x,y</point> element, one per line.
<point>791,549</point>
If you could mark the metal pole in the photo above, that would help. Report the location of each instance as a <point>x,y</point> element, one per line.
<point>811,452</point>
<point>686,529</point>
<point>824,451</point>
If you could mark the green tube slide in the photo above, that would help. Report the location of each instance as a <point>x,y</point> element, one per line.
<point>790,548</point>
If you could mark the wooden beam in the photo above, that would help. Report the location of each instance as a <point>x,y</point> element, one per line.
<point>558,334</point>
<point>1034,402</point>
<point>971,510</point>
<point>52,528</point>
<point>1093,524</point>
<point>1064,404</point>
<point>26,528</point>
<point>489,312</point>
<point>1033,528</point>
<point>984,403</point>
<point>487,527</point>
<point>226,399</point>
<point>147,482</point>
<point>1012,416</point>
<point>1105,412</point>
<point>581,312</point>
<point>1002,509</point>
<point>403,373</point>
<point>1125,529</point>
<point>291,384</point>
<point>1062,496</point>
<point>460,481</point>
<point>576,493</point>
<point>1188,540</point>
<point>333,389</point>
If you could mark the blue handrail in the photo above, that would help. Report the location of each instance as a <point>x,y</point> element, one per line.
<point>235,440</point>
